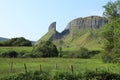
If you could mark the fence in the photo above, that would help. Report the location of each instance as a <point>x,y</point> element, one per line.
<point>71,68</point>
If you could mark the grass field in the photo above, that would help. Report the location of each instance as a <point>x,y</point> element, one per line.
<point>18,49</point>
<point>49,64</point>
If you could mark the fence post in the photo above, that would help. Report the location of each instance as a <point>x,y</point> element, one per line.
<point>96,70</point>
<point>25,68</point>
<point>72,70</point>
<point>56,66</point>
<point>108,69</point>
<point>40,67</point>
<point>86,69</point>
<point>11,67</point>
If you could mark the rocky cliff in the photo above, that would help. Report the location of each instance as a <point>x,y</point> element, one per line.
<point>74,30</point>
<point>52,26</point>
<point>87,22</point>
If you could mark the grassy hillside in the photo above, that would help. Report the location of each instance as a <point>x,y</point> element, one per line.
<point>88,38</point>
<point>48,35</point>
<point>80,32</point>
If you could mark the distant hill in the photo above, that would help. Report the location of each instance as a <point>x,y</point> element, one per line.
<point>33,42</point>
<point>2,39</point>
<point>80,32</point>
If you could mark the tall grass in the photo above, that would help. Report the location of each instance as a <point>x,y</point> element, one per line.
<point>49,64</point>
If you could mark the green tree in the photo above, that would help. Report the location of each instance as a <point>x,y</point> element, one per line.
<point>9,54</point>
<point>112,10</point>
<point>111,32</point>
<point>45,49</point>
<point>16,42</point>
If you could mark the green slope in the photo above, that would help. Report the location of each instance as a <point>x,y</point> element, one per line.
<point>88,38</point>
<point>46,36</point>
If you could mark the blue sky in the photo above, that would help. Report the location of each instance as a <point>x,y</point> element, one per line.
<point>31,18</point>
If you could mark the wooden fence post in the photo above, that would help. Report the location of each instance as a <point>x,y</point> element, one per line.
<point>108,69</point>
<point>56,66</point>
<point>40,67</point>
<point>72,69</point>
<point>25,68</point>
<point>11,67</point>
<point>96,70</point>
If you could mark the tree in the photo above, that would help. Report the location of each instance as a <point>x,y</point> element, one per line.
<point>17,42</point>
<point>45,49</point>
<point>9,54</point>
<point>112,10</point>
<point>111,32</point>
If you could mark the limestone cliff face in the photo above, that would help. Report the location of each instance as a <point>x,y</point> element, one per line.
<point>87,22</point>
<point>55,35</point>
<point>51,35</point>
<point>52,26</point>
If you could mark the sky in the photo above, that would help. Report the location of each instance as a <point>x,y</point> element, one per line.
<point>31,18</point>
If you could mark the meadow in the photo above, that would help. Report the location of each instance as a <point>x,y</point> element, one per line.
<point>53,64</point>
<point>17,49</point>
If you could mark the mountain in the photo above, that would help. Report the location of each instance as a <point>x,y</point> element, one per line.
<point>2,39</point>
<point>80,32</point>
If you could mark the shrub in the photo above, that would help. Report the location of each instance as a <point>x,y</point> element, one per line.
<point>82,53</point>
<point>30,55</point>
<point>45,49</point>
<point>40,75</point>
<point>111,56</point>
<point>64,76</point>
<point>28,76</point>
<point>94,52</point>
<point>1,44</point>
<point>9,54</point>
<point>106,58</point>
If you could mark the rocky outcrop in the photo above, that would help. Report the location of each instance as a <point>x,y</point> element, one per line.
<point>92,22</point>
<point>55,35</point>
<point>87,22</point>
<point>52,26</point>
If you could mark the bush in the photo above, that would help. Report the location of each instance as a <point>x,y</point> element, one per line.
<point>45,49</point>
<point>64,76</point>
<point>9,54</point>
<point>16,42</point>
<point>30,55</point>
<point>94,52</point>
<point>112,56</point>
<point>82,53</point>
<point>40,75</point>
<point>37,75</point>
<point>1,44</point>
